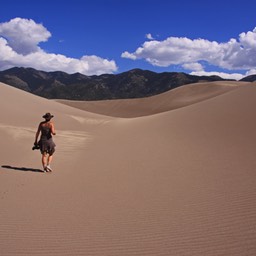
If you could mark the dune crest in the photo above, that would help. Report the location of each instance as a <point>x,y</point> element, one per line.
<point>173,99</point>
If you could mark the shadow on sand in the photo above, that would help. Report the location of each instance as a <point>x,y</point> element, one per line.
<point>24,169</point>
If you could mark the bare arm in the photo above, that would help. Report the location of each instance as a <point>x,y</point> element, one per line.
<point>37,134</point>
<point>53,129</point>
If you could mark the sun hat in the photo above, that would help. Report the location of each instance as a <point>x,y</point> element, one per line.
<point>48,116</point>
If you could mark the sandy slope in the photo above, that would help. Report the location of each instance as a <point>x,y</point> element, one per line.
<point>180,182</point>
<point>176,98</point>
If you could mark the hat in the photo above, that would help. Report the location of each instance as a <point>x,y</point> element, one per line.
<point>48,116</point>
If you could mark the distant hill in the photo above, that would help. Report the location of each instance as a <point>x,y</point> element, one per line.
<point>251,78</point>
<point>135,83</point>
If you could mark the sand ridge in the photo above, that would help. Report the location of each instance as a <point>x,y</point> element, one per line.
<point>170,100</point>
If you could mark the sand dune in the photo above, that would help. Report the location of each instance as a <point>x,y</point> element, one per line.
<point>174,181</point>
<point>176,98</point>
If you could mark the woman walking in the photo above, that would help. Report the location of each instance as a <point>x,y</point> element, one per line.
<point>46,143</point>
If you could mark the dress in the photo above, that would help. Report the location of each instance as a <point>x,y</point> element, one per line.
<point>46,142</point>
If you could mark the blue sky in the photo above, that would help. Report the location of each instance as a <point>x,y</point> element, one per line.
<point>112,36</point>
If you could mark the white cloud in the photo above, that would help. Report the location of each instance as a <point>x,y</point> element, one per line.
<point>128,55</point>
<point>251,72</point>
<point>195,66</point>
<point>235,76</point>
<point>19,39</point>
<point>24,35</point>
<point>149,36</point>
<point>232,55</point>
<point>248,39</point>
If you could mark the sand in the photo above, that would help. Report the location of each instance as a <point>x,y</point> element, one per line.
<point>172,174</point>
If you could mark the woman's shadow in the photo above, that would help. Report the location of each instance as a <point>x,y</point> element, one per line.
<point>24,169</point>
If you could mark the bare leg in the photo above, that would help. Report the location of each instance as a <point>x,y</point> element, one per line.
<point>49,159</point>
<point>44,160</point>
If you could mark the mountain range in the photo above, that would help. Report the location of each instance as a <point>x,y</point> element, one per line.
<point>135,83</point>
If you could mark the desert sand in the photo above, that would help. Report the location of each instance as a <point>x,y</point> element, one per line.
<point>172,174</point>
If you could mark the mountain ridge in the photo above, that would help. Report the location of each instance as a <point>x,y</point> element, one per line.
<point>250,78</point>
<point>135,83</point>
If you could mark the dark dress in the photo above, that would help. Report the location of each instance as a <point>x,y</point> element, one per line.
<point>46,142</point>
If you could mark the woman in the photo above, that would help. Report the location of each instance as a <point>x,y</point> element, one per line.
<point>46,144</point>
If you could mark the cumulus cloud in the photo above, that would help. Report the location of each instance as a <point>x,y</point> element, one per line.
<point>19,46</point>
<point>128,55</point>
<point>232,55</point>
<point>251,72</point>
<point>24,35</point>
<point>149,36</point>
<point>235,76</point>
<point>195,66</point>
